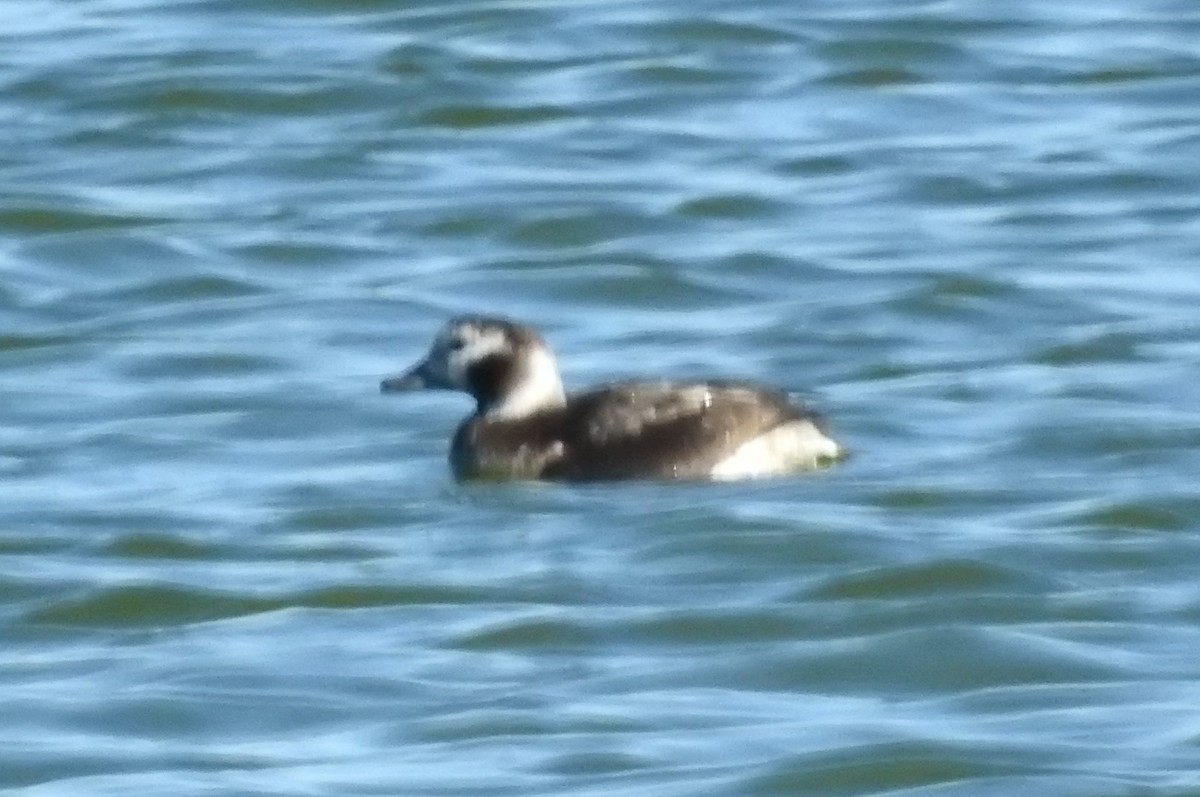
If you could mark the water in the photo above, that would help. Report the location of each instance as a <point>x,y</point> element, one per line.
<point>967,231</point>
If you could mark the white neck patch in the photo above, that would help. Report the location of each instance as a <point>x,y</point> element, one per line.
<point>540,388</point>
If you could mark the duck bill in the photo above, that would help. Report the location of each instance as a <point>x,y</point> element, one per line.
<point>419,377</point>
<point>429,374</point>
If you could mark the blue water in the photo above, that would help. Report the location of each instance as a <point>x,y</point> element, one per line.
<point>967,232</point>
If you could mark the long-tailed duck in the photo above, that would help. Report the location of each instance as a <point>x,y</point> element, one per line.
<point>526,427</point>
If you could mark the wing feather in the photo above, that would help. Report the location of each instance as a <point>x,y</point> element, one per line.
<point>664,430</point>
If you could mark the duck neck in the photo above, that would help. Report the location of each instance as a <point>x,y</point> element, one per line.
<point>532,388</point>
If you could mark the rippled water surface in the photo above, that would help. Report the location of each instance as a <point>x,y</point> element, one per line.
<point>968,231</point>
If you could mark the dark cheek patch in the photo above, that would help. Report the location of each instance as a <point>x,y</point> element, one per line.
<point>489,379</point>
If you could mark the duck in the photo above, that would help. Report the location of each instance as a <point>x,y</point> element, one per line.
<point>526,426</point>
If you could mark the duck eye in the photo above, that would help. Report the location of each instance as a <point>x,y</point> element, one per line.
<point>456,344</point>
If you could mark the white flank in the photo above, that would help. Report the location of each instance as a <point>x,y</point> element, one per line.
<point>793,446</point>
